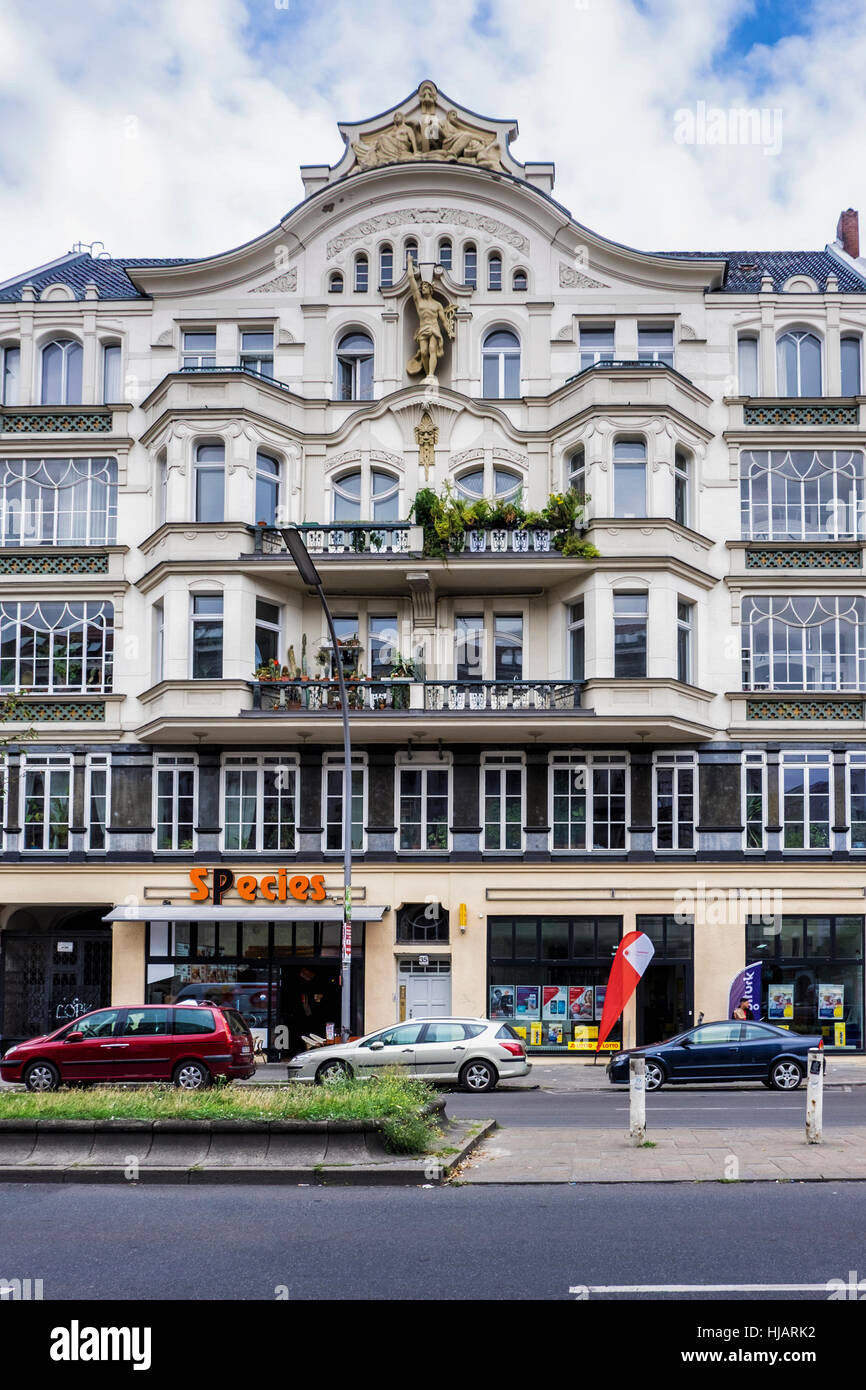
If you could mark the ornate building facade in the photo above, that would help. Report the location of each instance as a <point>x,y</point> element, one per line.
<point>591,523</point>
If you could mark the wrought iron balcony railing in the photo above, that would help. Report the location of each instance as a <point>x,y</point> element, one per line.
<point>400,694</point>
<point>404,538</point>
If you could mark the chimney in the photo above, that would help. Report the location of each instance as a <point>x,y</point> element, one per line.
<point>848,232</point>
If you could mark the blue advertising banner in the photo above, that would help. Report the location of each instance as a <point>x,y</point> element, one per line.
<point>746,985</point>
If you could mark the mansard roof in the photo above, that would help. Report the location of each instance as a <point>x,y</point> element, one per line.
<point>80,269</point>
<point>746,269</point>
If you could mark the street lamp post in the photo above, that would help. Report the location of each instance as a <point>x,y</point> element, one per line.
<point>311,577</point>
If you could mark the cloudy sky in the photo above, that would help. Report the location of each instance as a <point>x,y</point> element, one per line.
<point>176,127</point>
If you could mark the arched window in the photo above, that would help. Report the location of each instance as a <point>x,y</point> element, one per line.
<point>520,280</point>
<point>112,387</point>
<point>470,264</point>
<point>335,282</point>
<point>355,367</point>
<point>10,372</point>
<point>798,364</point>
<point>362,274</point>
<point>366,494</point>
<point>747,365</point>
<point>494,271</point>
<point>61,372</point>
<point>445,253</point>
<point>267,489</point>
<point>500,365</point>
<point>501,483</point>
<point>410,248</point>
<point>209,482</point>
<point>850,366</point>
<point>386,264</point>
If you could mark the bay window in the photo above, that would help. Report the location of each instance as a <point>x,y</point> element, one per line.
<point>802,494</point>
<point>57,647</point>
<point>629,478</point>
<point>209,483</point>
<point>58,501</point>
<point>803,642</point>
<point>630,635</point>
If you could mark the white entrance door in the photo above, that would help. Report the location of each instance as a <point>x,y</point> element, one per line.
<point>428,988</point>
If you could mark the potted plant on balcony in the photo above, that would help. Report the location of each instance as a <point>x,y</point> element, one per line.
<point>402,668</point>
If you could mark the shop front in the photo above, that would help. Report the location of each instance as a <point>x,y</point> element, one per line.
<point>812,976</point>
<point>55,965</point>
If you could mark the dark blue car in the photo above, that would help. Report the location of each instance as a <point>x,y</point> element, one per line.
<point>729,1051</point>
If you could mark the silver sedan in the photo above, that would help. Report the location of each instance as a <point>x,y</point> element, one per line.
<point>474,1053</point>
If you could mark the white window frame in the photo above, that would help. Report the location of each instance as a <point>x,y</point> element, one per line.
<point>201,466</point>
<point>857,340</point>
<point>470,248</point>
<point>744,386</point>
<point>385,259</point>
<point>854,762</point>
<point>196,618</point>
<point>67,346</point>
<point>502,763</point>
<point>4,794</point>
<point>817,761</point>
<point>256,359</point>
<point>158,641</point>
<point>174,764</point>
<point>197,357</point>
<point>362,273</point>
<point>367,500</point>
<point>334,763</point>
<point>79,509</point>
<point>675,764</point>
<point>424,764</point>
<point>502,355</point>
<point>49,764</point>
<point>93,610</point>
<point>259,764</point>
<point>789,493</point>
<point>591,356</point>
<point>494,272</point>
<point>773,613</point>
<point>656,354</point>
<point>111,372</point>
<point>10,377</point>
<point>96,763</point>
<point>687,626</point>
<point>587,764</point>
<point>754,762</point>
<point>798,335</point>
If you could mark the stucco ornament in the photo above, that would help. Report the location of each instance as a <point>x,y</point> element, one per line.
<point>431,136</point>
<point>433,317</point>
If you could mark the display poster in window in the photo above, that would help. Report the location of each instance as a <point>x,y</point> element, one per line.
<point>780,1002</point>
<point>527,1001</point>
<point>554,1032</point>
<point>535,1034</point>
<point>580,1003</point>
<point>600,992</point>
<point>584,1039</point>
<point>831,1001</point>
<point>501,1001</point>
<point>554,1002</point>
<point>839,1035</point>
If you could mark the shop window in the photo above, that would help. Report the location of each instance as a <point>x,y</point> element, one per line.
<point>802,494</point>
<point>259,803</point>
<point>46,792</point>
<point>175,796</point>
<point>502,789</point>
<point>812,976</point>
<point>58,648</point>
<point>674,775</point>
<point>804,642</point>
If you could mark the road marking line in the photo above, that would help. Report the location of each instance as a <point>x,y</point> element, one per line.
<point>702,1288</point>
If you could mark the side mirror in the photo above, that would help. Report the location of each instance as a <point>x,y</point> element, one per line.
<point>376,1046</point>
<point>75,1037</point>
<point>686,1042</point>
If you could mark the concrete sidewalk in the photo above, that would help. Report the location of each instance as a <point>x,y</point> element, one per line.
<point>545,1155</point>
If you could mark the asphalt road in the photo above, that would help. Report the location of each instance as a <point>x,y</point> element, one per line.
<point>669,1108</point>
<point>259,1243</point>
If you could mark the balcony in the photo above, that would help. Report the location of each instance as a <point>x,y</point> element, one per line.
<point>417,696</point>
<point>343,538</point>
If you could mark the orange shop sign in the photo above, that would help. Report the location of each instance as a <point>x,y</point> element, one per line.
<point>279,887</point>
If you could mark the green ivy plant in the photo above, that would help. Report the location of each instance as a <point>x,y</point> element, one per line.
<point>445,519</point>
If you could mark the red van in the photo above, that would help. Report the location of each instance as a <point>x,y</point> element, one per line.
<point>188,1044</point>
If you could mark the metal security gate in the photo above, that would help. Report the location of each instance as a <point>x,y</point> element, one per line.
<point>50,978</point>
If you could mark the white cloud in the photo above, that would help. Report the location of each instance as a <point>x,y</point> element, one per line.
<point>177,129</point>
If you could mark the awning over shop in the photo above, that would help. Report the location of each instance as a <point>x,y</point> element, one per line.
<point>235,912</point>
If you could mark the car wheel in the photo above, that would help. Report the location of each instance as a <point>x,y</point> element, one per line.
<point>478,1077</point>
<point>41,1076</point>
<point>330,1073</point>
<point>191,1076</point>
<point>654,1076</point>
<point>786,1076</point>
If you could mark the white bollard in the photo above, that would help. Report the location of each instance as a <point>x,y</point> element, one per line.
<point>637,1099</point>
<point>815,1096</point>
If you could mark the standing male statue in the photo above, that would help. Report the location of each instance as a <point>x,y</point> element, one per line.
<point>433,317</point>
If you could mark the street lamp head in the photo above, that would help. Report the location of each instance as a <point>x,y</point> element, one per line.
<point>301,556</point>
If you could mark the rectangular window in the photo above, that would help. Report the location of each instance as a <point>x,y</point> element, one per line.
<point>675,800</point>
<point>502,783</point>
<point>805,800</point>
<point>175,794</point>
<point>629,478</point>
<point>802,494</point>
<point>207,637</point>
<point>383,644</point>
<point>209,483</point>
<point>267,490</point>
<point>857,800</point>
<point>267,634</point>
<point>604,777</point>
<point>804,642</point>
<point>507,647</point>
<point>754,800</point>
<point>97,800</point>
<point>259,803</point>
<point>333,799</point>
<point>112,380</point>
<point>747,366</point>
<point>424,806</point>
<point>630,635</point>
<point>850,366</point>
<point>10,372</point>
<point>199,348</point>
<point>257,351</point>
<point>69,501</point>
<point>46,788</point>
<point>469,647</point>
<point>56,647</point>
<point>685,641</point>
<point>682,489</point>
<point>158,643</point>
<point>596,345</point>
<point>655,344</point>
<point>577,635</point>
